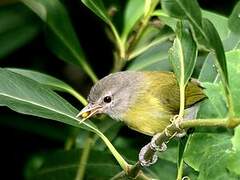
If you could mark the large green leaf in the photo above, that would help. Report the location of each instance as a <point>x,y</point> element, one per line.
<point>220,23</point>
<point>233,164</point>
<point>231,42</point>
<point>151,37</point>
<point>204,31</point>
<point>234,20</point>
<point>203,28</point>
<point>27,96</point>
<point>183,9</point>
<point>133,12</point>
<point>233,59</point>
<point>236,139</point>
<point>216,44</point>
<point>155,58</point>
<point>18,25</point>
<point>217,152</point>
<point>209,153</point>
<point>208,71</point>
<point>150,52</point>
<point>61,37</point>
<point>49,81</point>
<point>183,54</point>
<point>64,165</point>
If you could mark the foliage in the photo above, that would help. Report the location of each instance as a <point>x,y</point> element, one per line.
<point>179,37</point>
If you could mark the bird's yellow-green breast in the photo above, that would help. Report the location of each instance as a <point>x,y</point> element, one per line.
<point>157,100</point>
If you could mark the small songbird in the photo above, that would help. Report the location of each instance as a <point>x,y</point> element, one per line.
<point>144,101</point>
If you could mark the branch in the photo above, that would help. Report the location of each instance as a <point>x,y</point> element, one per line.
<point>170,131</point>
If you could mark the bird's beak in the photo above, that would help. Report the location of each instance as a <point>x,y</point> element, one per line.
<point>89,111</point>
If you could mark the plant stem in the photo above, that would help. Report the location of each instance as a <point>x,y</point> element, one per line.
<point>172,129</point>
<point>119,42</point>
<point>133,173</point>
<point>78,96</point>
<point>148,13</point>
<point>84,158</point>
<point>180,170</point>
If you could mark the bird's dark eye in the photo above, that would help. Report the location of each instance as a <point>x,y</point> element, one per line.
<point>107,99</point>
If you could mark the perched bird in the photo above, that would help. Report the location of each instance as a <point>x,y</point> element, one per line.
<point>144,101</point>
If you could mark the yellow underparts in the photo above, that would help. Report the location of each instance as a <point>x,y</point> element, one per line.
<point>147,116</point>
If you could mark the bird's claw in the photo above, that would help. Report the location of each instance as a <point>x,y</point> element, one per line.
<point>155,147</point>
<point>178,120</point>
<point>142,159</point>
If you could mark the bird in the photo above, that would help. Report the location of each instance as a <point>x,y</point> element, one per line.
<point>144,100</point>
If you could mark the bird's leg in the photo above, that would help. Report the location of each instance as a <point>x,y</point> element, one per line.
<point>190,113</point>
<point>177,121</point>
<point>154,146</point>
<point>142,154</point>
<point>163,137</point>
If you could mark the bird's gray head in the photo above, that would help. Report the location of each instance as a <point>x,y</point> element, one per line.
<point>112,95</point>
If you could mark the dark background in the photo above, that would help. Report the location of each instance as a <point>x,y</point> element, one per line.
<point>20,138</point>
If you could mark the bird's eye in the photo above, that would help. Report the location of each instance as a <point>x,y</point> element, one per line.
<point>107,99</point>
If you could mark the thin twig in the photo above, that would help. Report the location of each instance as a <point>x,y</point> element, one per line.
<point>84,158</point>
<point>170,130</point>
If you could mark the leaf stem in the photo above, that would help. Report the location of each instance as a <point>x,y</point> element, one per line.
<point>149,8</point>
<point>139,51</point>
<point>78,96</point>
<point>84,158</point>
<point>173,128</point>
<point>119,42</point>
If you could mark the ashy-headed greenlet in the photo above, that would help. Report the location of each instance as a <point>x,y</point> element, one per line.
<point>144,101</point>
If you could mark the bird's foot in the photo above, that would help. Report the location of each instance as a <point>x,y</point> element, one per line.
<point>142,154</point>
<point>178,120</point>
<point>155,147</point>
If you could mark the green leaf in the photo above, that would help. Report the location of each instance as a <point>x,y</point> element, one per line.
<point>231,42</point>
<point>133,12</point>
<point>163,170</point>
<point>233,58</point>
<point>166,19</point>
<point>203,28</point>
<point>233,163</point>
<point>209,153</point>
<point>215,95</point>
<point>36,126</point>
<point>234,19</point>
<point>65,164</point>
<point>27,96</point>
<point>220,23</point>
<point>217,153</point>
<point>208,71</point>
<point>182,146</point>
<point>154,58</point>
<point>236,139</point>
<point>183,54</point>
<point>18,26</point>
<point>98,8</point>
<point>182,8</point>
<point>151,37</point>
<point>51,82</point>
<point>215,42</point>
<point>61,37</point>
